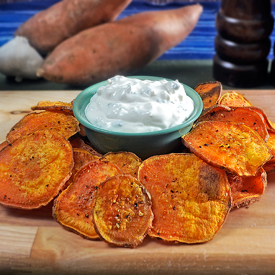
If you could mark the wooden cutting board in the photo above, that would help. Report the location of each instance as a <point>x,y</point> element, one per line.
<point>32,242</point>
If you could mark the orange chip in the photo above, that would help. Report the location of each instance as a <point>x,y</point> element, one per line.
<point>190,198</point>
<point>81,157</point>
<point>269,166</point>
<point>3,144</point>
<point>228,145</point>
<point>66,124</point>
<point>234,99</point>
<point>246,115</point>
<point>268,123</point>
<point>209,92</point>
<point>246,190</point>
<point>34,168</point>
<point>128,162</point>
<point>122,211</point>
<point>73,207</point>
<point>77,142</point>
<point>272,124</point>
<point>54,106</point>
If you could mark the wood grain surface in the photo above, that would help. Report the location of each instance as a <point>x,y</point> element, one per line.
<point>31,242</point>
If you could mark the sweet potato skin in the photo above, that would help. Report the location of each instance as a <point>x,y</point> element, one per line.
<point>120,47</point>
<point>50,27</point>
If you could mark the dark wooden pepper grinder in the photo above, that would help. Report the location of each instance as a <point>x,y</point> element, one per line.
<point>242,43</point>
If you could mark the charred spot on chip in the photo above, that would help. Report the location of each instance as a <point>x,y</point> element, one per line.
<point>209,180</point>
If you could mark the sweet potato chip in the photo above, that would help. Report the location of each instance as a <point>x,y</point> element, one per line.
<point>66,124</point>
<point>268,123</point>
<point>228,145</point>
<point>128,162</point>
<point>234,99</point>
<point>209,92</point>
<point>77,142</point>
<point>54,106</point>
<point>246,115</point>
<point>81,157</point>
<point>73,207</point>
<point>34,168</point>
<point>246,190</point>
<point>272,124</point>
<point>269,166</point>
<point>190,198</point>
<point>122,211</point>
<point>3,144</point>
<point>82,130</point>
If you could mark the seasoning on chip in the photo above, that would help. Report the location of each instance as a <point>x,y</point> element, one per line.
<point>34,168</point>
<point>66,124</point>
<point>73,207</point>
<point>190,198</point>
<point>122,212</point>
<point>232,146</point>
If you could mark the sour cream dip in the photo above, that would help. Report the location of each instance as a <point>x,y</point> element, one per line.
<point>131,105</point>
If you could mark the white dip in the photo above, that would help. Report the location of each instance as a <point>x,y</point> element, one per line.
<point>133,106</point>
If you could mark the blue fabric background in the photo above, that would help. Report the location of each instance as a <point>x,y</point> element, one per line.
<point>198,45</point>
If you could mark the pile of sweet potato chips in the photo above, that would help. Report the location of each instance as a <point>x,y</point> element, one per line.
<point>179,197</point>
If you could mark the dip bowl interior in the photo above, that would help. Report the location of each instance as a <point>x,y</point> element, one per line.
<point>143,145</point>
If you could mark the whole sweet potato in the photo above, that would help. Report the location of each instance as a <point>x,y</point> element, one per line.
<point>119,47</point>
<point>48,28</point>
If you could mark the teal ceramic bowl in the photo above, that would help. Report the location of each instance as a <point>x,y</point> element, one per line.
<point>143,145</point>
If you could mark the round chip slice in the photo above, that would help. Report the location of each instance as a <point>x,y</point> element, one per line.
<point>34,168</point>
<point>73,207</point>
<point>190,198</point>
<point>228,145</point>
<point>65,123</point>
<point>122,211</point>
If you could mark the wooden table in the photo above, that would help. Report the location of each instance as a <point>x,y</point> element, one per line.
<point>32,242</point>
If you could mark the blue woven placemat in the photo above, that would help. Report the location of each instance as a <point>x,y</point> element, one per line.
<point>198,45</point>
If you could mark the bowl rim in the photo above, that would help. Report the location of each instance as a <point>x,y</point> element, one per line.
<point>91,90</point>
